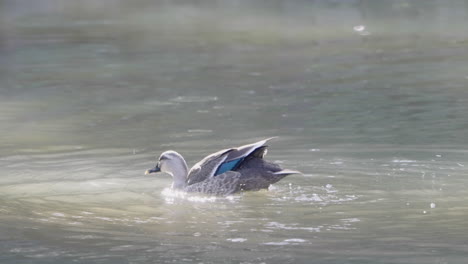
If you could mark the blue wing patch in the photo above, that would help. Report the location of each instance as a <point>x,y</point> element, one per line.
<point>227,166</point>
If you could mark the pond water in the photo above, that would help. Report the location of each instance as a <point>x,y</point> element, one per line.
<point>369,100</point>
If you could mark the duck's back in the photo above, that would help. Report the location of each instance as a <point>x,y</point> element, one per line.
<point>253,174</point>
<point>222,161</point>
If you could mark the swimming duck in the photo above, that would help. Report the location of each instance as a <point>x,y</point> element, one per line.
<point>224,172</point>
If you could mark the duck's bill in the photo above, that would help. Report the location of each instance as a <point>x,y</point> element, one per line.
<point>153,170</point>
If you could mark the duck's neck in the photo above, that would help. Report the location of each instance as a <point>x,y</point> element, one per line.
<point>179,176</point>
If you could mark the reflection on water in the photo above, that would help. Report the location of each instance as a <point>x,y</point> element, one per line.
<point>369,100</point>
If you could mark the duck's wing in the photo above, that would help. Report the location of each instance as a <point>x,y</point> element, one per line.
<point>222,161</point>
<point>223,184</point>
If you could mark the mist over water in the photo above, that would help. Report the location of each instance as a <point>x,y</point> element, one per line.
<point>369,100</point>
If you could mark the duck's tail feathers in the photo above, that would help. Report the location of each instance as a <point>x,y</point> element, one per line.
<point>278,175</point>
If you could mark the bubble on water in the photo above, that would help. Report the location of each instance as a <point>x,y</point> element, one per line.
<point>433,205</point>
<point>359,28</point>
<point>438,156</point>
<point>424,212</point>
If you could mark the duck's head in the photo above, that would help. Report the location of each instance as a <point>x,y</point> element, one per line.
<point>169,162</point>
<point>173,164</point>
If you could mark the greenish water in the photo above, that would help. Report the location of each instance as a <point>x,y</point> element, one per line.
<point>369,99</point>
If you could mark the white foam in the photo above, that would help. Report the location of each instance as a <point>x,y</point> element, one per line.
<point>237,240</point>
<point>276,225</point>
<point>291,241</point>
<point>296,240</point>
<point>351,220</point>
<point>170,195</point>
<point>58,214</point>
<point>403,161</point>
<point>194,99</point>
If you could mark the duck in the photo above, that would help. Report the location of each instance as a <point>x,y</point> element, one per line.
<point>223,173</point>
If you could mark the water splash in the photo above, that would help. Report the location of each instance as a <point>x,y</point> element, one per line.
<point>291,241</point>
<point>171,196</point>
<point>322,195</point>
